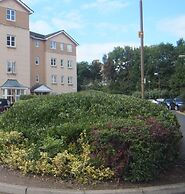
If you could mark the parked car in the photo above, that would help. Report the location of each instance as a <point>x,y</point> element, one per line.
<point>169,103</point>
<point>179,103</point>
<point>153,101</point>
<point>4,105</point>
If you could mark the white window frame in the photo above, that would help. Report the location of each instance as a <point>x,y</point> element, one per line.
<point>70,48</point>
<point>13,95</point>
<point>53,62</point>
<point>53,44</point>
<point>11,16</point>
<point>37,60</point>
<point>62,63</point>
<point>62,46</point>
<point>37,78</point>
<point>37,43</point>
<point>11,67</point>
<point>54,79</point>
<point>11,41</point>
<point>69,64</point>
<point>62,79</point>
<point>70,80</point>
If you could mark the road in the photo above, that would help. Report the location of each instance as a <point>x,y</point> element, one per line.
<point>181,119</point>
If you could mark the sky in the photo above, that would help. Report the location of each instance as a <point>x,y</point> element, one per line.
<point>100,25</point>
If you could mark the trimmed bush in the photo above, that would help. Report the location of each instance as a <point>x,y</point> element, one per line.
<point>124,137</point>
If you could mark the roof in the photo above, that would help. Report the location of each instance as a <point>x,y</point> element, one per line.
<point>37,35</point>
<point>48,36</point>
<point>41,89</point>
<point>12,83</point>
<point>24,6</point>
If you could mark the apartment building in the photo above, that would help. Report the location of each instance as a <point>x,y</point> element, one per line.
<point>32,62</point>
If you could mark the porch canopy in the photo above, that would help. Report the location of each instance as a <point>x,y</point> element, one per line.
<point>13,84</point>
<point>42,89</point>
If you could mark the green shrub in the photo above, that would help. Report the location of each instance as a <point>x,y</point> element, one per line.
<point>27,97</point>
<point>127,137</point>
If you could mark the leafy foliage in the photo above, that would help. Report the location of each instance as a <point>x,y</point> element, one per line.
<point>120,70</point>
<point>89,136</point>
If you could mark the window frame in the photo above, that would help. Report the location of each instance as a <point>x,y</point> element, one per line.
<point>37,78</point>
<point>54,79</point>
<point>12,66</point>
<point>69,64</point>
<point>11,16</point>
<point>62,46</point>
<point>37,43</point>
<point>37,60</point>
<point>53,62</point>
<point>9,41</point>
<point>70,80</point>
<point>53,44</point>
<point>62,80</point>
<point>62,63</point>
<point>69,48</point>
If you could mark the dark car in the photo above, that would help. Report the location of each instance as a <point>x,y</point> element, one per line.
<point>169,103</point>
<point>179,103</point>
<point>4,105</point>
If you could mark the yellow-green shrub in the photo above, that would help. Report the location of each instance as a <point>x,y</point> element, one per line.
<point>64,165</point>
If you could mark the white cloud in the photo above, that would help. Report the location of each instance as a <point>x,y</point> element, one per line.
<point>71,20</point>
<point>41,27</point>
<point>112,27</point>
<point>30,2</point>
<point>90,52</point>
<point>105,5</point>
<point>175,26</point>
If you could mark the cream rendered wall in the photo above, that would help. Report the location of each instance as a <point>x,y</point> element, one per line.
<point>20,54</point>
<point>59,71</point>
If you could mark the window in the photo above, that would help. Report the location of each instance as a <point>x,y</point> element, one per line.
<point>11,14</point>
<point>70,80</point>
<point>69,64</point>
<point>13,95</point>
<point>69,48</point>
<point>11,67</point>
<point>37,43</point>
<point>53,79</point>
<point>53,45</point>
<point>62,79</point>
<point>37,78</point>
<point>53,62</point>
<point>11,41</point>
<point>62,63</point>
<point>37,60</point>
<point>61,46</point>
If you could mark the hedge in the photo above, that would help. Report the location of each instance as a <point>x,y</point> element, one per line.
<point>89,136</point>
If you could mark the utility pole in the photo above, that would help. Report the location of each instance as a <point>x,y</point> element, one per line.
<point>141,36</point>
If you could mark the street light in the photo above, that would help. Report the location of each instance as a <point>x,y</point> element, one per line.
<point>141,36</point>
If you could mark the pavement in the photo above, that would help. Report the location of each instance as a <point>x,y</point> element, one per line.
<point>167,189</point>
<point>163,189</point>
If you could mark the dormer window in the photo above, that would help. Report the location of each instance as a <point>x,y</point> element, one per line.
<point>10,14</point>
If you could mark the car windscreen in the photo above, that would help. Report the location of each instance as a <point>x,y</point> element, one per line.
<point>180,100</point>
<point>169,100</point>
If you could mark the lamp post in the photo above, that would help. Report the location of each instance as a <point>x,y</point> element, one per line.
<point>141,36</point>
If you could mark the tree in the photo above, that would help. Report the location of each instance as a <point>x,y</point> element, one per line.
<point>83,75</point>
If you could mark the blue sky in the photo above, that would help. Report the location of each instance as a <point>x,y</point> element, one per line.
<point>100,25</point>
